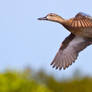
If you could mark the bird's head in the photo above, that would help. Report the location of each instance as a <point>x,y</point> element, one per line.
<point>52,17</point>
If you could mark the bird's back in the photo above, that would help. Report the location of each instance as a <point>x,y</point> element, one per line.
<point>81,25</point>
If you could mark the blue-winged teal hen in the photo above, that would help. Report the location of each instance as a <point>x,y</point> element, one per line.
<point>80,27</point>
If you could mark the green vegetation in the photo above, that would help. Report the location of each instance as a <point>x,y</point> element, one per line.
<point>28,81</point>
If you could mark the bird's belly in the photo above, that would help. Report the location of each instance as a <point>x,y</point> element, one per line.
<point>84,32</point>
<point>87,32</point>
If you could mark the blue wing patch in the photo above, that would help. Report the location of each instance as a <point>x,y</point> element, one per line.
<point>84,14</point>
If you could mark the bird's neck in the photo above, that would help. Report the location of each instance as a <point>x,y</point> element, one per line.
<point>60,20</point>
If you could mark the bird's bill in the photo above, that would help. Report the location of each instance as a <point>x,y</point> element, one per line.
<point>43,18</point>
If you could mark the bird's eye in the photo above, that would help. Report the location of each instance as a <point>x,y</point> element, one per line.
<point>51,15</point>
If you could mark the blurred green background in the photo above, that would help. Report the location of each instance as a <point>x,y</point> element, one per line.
<point>30,81</point>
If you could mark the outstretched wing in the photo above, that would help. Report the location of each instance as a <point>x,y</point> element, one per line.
<point>82,20</point>
<point>82,14</point>
<point>69,50</point>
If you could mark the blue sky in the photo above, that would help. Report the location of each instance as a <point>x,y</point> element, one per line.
<point>25,41</point>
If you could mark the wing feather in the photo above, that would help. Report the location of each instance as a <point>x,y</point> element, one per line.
<point>85,20</point>
<point>69,50</point>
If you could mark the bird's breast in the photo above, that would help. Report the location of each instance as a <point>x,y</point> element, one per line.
<point>81,31</point>
<point>81,27</point>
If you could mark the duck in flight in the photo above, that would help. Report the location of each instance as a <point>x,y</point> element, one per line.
<point>80,37</point>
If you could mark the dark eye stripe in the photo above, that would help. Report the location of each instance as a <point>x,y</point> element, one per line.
<point>51,15</point>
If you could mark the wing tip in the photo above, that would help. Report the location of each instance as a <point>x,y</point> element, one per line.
<point>58,67</point>
<point>61,67</point>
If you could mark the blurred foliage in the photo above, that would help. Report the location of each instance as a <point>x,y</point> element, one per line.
<point>28,81</point>
<point>20,82</point>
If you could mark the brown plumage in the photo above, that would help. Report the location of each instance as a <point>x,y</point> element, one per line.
<point>81,36</point>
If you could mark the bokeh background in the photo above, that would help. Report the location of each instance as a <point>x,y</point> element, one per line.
<point>26,43</point>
